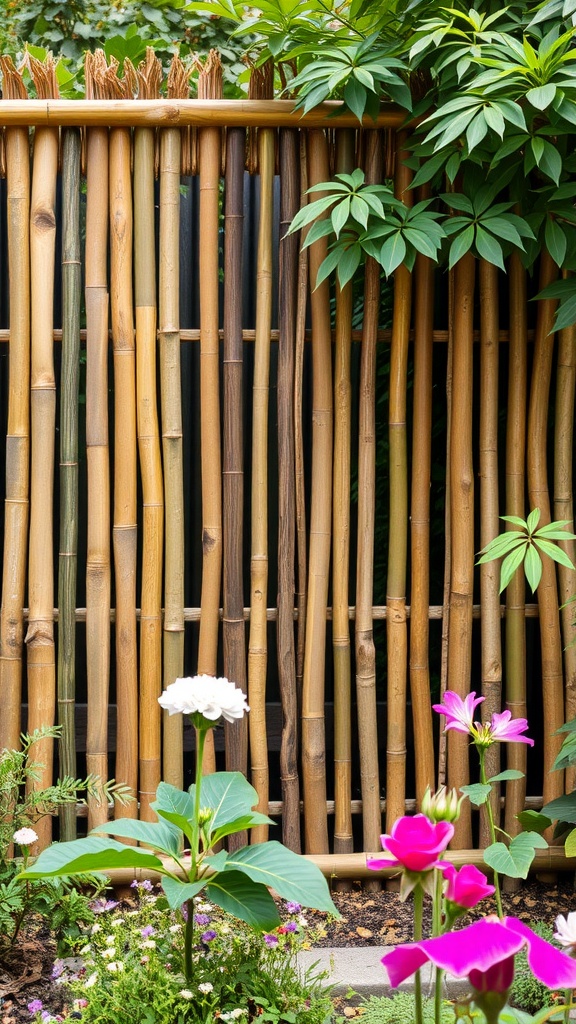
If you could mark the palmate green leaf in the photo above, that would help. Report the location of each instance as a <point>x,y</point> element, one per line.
<point>229,795</point>
<point>169,798</point>
<point>179,821</point>
<point>340,215</point>
<point>533,520</point>
<point>509,566</point>
<point>240,896</point>
<point>566,756</point>
<point>93,854</point>
<point>355,97</point>
<point>532,568</point>
<point>570,844</point>
<point>551,162</point>
<point>291,876</point>
<point>515,860</point>
<point>565,315</point>
<point>569,727</point>
<point>541,97</point>
<point>511,774</point>
<point>562,809</point>
<point>153,833</point>
<point>320,229</point>
<point>502,545</point>
<point>311,211</point>
<point>348,263</point>
<point>476,131</point>
<point>553,551</point>
<point>239,824</point>
<point>533,821</point>
<point>431,166</point>
<point>392,253</point>
<point>328,265</point>
<point>177,891</point>
<point>488,248</point>
<point>503,228</point>
<point>556,241</point>
<point>461,244</point>
<point>477,793</point>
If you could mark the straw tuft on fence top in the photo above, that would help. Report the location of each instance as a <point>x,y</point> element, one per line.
<point>213,465</point>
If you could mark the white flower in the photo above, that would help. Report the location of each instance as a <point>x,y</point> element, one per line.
<point>110,940</point>
<point>85,950</point>
<point>91,980</point>
<point>205,988</point>
<point>175,928</point>
<point>115,966</point>
<point>109,951</point>
<point>565,932</point>
<point>186,993</point>
<point>211,697</point>
<point>149,944</point>
<point>26,836</point>
<point>117,922</point>
<point>95,929</point>
<point>204,908</point>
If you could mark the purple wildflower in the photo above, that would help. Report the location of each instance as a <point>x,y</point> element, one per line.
<point>134,884</point>
<point>147,931</point>
<point>35,1006</point>
<point>102,905</point>
<point>147,885</point>
<point>201,919</point>
<point>208,936</point>
<point>57,969</point>
<point>291,926</point>
<point>293,908</point>
<point>271,941</point>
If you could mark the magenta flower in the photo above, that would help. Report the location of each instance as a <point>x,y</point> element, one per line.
<point>459,713</point>
<point>506,729</point>
<point>467,886</point>
<point>414,843</point>
<point>482,953</point>
<point>35,1006</point>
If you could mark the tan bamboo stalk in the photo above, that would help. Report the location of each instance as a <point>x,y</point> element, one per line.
<point>551,644</point>
<point>442,741</point>
<point>420,526</point>
<point>300,493</point>
<point>462,515</point>
<point>209,147</point>
<point>40,635</point>
<point>71,291</point>
<point>396,628</point>
<point>489,523</point>
<point>234,630</point>
<point>515,649</point>
<point>345,162</point>
<point>124,529</point>
<point>287,331</point>
<point>16,506</point>
<point>313,735</point>
<point>363,630</point>
<point>98,570</point>
<point>149,78</point>
<point>171,393</point>
<point>564,509</point>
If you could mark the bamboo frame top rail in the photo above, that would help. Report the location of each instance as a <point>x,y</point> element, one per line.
<point>195,113</point>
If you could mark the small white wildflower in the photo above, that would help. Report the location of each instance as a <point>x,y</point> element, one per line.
<point>302,921</point>
<point>185,993</point>
<point>116,924</point>
<point>109,951</point>
<point>25,837</point>
<point>95,929</point>
<point>132,913</point>
<point>86,949</point>
<point>115,966</point>
<point>110,940</point>
<point>91,980</point>
<point>175,928</point>
<point>149,944</point>
<point>205,908</point>
<point>205,988</point>
<point>224,930</point>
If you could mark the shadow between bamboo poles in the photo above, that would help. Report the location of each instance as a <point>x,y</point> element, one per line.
<point>462,516</point>
<point>258,647</point>
<point>40,635</point>
<point>363,629</point>
<point>515,648</point>
<point>551,644</point>
<point>299,488</point>
<point>151,471</point>
<point>287,330</point>
<point>491,658</point>
<point>420,526</point>
<point>313,734</point>
<point>564,509</point>
<point>16,506</point>
<point>209,156</point>
<point>233,630</point>
<point>345,161</point>
<point>124,527</point>
<point>98,570</point>
<point>396,627</point>
<point>71,291</point>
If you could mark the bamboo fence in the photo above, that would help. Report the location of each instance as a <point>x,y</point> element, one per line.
<point>334,439</point>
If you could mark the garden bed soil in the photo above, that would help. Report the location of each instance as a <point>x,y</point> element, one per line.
<point>368,919</point>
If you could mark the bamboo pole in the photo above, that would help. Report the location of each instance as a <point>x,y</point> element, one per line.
<point>124,529</point>
<point>442,741</point>
<point>234,635</point>
<point>209,145</point>
<point>462,517</point>
<point>287,330</point>
<point>551,644</point>
<point>515,649</point>
<point>420,526</point>
<point>313,738</point>
<point>67,574</point>
<point>16,506</point>
<point>299,489</point>
<point>345,162</point>
<point>149,77</point>
<point>363,631</point>
<point>97,449</point>
<point>489,524</point>
<point>171,394</point>
<point>40,634</point>
<point>396,629</point>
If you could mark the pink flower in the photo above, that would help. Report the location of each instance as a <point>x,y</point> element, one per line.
<point>506,729</point>
<point>459,713</point>
<point>467,886</point>
<point>414,843</point>
<point>481,952</point>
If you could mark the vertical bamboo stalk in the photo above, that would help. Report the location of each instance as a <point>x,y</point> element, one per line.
<point>71,289</point>
<point>313,734</point>
<point>209,145</point>
<point>234,635</point>
<point>40,635</point>
<point>396,627</point>
<point>124,529</point>
<point>287,329</point>
<point>97,447</point>
<point>345,162</point>
<point>442,742</point>
<point>363,629</point>
<point>149,78</point>
<point>420,525</point>
<point>299,491</point>
<point>171,394</point>
<point>462,516</point>
<point>551,644</point>
<point>16,507</point>
<point>489,523</point>
<point>515,650</point>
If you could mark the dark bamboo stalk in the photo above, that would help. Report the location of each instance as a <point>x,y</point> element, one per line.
<point>300,493</point>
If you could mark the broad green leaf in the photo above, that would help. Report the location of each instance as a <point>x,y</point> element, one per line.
<point>566,756</point>
<point>533,520</point>
<point>537,147</point>
<point>429,168</point>
<point>82,856</point>
<point>355,98</point>
<point>562,809</point>
<point>476,131</point>
<point>542,96</point>
<point>566,315</point>
<point>348,264</point>
<point>553,551</point>
<point>178,820</point>
<point>229,795</point>
<point>508,775</point>
<point>392,253</point>
<point>340,215</point>
<point>532,568</point>
<point>515,860</point>
<point>515,520</point>
<point>570,844</point>
<point>169,798</point>
<point>458,202</point>
<point>153,833</point>
<point>494,119</point>
<point>359,210</point>
<point>488,248</point>
<point>509,566</point>
<point>246,821</point>
<point>245,898</point>
<point>177,892</point>
<point>477,793</point>
<point>456,127</point>
<point>532,821</point>
<point>567,727</point>
<point>551,162</point>
<point>291,876</point>
<point>328,265</point>
<point>461,245</point>
<point>556,531</point>
<point>556,241</point>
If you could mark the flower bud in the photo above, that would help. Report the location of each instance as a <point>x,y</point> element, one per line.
<point>204,816</point>
<point>443,805</point>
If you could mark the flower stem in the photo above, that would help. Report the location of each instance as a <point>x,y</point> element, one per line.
<point>418,908</point>
<point>189,941</point>
<point>195,850</point>
<point>436,930</point>
<point>491,826</point>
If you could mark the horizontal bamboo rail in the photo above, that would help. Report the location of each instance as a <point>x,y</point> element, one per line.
<point>378,612</point>
<point>383,335</point>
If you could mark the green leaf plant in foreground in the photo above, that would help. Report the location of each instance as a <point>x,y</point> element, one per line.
<point>525,546</point>
<point>196,821</point>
